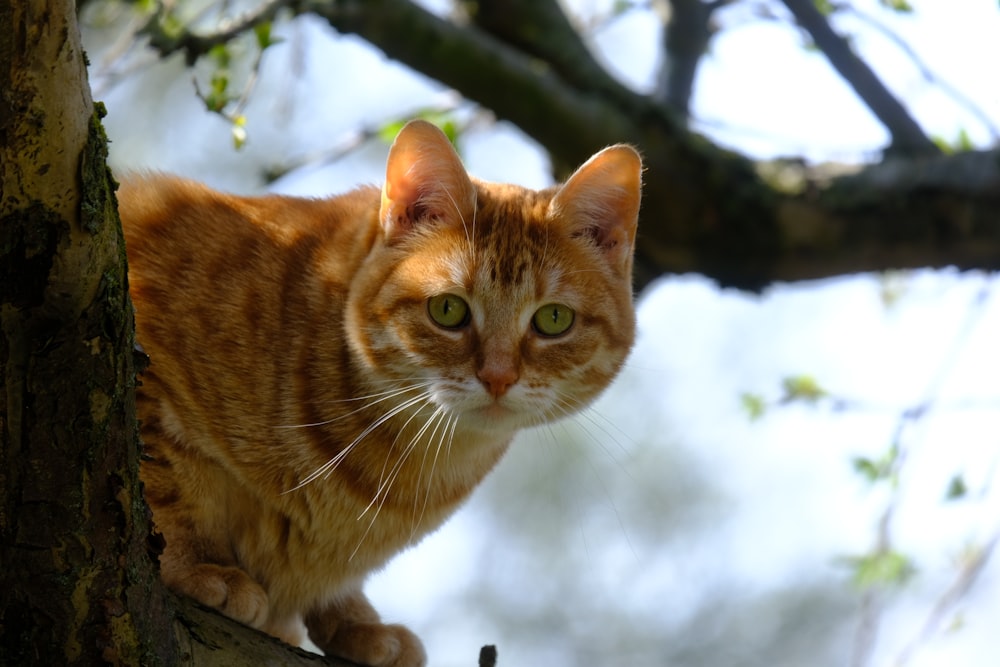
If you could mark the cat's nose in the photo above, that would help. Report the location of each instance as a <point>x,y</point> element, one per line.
<point>497,379</point>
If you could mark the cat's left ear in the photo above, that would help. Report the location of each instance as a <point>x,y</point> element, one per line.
<point>424,181</point>
<point>600,201</point>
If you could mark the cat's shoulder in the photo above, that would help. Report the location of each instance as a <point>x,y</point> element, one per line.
<point>163,187</point>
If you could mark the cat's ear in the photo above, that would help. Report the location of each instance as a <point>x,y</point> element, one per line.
<point>424,181</point>
<point>600,202</point>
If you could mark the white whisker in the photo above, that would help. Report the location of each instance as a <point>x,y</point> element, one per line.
<point>590,462</point>
<point>449,421</point>
<point>385,480</point>
<point>380,396</point>
<point>382,492</point>
<point>327,468</point>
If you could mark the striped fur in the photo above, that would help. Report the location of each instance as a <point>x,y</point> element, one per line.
<point>304,419</point>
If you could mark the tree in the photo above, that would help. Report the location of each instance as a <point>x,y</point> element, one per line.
<point>78,578</point>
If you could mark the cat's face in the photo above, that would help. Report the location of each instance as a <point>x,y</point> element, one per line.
<point>493,306</point>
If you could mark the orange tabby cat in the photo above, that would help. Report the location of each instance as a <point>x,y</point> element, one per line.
<point>331,378</point>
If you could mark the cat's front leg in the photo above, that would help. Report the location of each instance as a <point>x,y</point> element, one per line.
<point>350,628</point>
<point>226,588</point>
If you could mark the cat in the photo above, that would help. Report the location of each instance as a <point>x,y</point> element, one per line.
<point>330,378</point>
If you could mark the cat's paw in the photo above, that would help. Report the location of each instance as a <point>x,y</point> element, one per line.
<point>375,645</point>
<point>228,589</point>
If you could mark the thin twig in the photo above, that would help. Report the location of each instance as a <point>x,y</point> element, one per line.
<point>907,136</point>
<point>871,609</point>
<point>354,140</point>
<point>925,71</point>
<point>488,656</point>
<point>195,45</point>
<point>967,577</point>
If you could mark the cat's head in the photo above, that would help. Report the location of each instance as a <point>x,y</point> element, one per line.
<point>502,306</point>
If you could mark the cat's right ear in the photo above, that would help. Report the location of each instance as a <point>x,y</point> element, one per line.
<point>424,182</point>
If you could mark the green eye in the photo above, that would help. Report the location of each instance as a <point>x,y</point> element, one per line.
<point>553,319</point>
<point>448,311</point>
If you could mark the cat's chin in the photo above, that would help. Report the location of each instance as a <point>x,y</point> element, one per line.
<point>496,417</point>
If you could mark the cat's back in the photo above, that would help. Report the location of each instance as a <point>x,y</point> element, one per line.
<point>192,249</point>
<point>226,288</point>
<point>163,214</point>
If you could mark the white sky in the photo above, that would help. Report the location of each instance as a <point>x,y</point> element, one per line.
<point>788,502</point>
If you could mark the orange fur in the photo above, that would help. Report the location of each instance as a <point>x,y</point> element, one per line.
<point>304,417</point>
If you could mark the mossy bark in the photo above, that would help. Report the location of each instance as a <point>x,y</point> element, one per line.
<point>77,583</point>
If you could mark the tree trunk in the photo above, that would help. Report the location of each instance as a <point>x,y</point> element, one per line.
<point>77,585</point>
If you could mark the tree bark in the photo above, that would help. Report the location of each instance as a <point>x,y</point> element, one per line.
<point>77,584</point>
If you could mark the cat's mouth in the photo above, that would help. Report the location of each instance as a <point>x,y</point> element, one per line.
<point>492,414</point>
<point>496,410</point>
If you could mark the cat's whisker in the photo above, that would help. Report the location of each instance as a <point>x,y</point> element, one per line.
<point>608,427</point>
<point>586,419</point>
<point>593,468</point>
<point>319,472</point>
<point>380,396</point>
<point>579,271</point>
<point>327,468</point>
<point>448,420</point>
<point>382,492</point>
<point>384,478</point>
<point>465,227</point>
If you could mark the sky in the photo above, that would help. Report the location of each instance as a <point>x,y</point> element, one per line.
<point>744,511</point>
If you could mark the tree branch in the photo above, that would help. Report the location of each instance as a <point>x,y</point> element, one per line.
<point>193,45</point>
<point>907,136</point>
<point>928,74</point>
<point>540,28</point>
<point>903,214</point>
<point>209,639</point>
<point>685,40</point>
<point>517,86</point>
<point>705,210</point>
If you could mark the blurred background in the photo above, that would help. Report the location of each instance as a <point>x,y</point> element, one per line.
<point>800,476</point>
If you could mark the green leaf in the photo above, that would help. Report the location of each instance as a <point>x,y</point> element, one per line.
<point>619,7</point>
<point>957,488</point>
<point>802,388</point>
<point>239,131</point>
<point>220,54</point>
<point>867,468</point>
<point>172,26</point>
<point>882,568</point>
<point>388,132</point>
<point>218,97</point>
<point>443,120</point>
<point>877,470</point>
<point>262,31</point>
<point>901,6</point>
<point>825,7</point>
<point>754,404</point>
<point>963,142</point>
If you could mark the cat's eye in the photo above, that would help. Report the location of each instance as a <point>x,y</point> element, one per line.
<point>553,319</point>
<point>448,311</point>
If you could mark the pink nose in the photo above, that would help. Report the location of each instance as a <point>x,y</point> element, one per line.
<point>497,380</point>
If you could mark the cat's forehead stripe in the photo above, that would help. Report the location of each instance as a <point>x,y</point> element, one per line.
<point>510,255</point>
